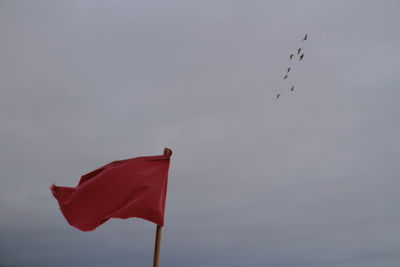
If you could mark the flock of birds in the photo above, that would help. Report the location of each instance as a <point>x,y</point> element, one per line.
<point>300,55</point>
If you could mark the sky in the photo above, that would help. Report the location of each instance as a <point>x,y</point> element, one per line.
<point>308,180</point>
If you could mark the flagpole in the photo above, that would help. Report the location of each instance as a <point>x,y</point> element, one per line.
<point>157,246</point>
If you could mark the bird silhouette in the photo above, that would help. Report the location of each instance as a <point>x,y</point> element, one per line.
<point>292,89</point>
<point>285,77</point>
<point>291,55</point>
<point>289,69</point>
<point>298,51</point>
<point>277,96</point>
<point>305,38</point>
<point>301,57</point>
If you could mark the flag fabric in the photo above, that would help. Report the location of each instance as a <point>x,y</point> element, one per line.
<point>122,189</point>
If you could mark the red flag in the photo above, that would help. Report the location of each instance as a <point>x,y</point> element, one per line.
<point>122,189</point>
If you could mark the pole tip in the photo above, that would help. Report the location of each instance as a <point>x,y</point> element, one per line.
<point>167,151</point>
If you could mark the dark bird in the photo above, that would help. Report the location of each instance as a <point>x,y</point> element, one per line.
<point>289,69</point>
<point>291,55</point>
<point>305,38</point>
<point>285,77</point>
<point>292,89</point>
<point>301,57</point>
<point>277,96</point>
<point>298,51</point>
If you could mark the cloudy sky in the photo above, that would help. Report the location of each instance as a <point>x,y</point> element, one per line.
<point>309,180</point>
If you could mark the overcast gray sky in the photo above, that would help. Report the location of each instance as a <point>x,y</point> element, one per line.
<point>311,179</point>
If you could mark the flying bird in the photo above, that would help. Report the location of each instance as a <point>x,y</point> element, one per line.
<point>291,55</point>
<point>305,38</point>
<point>285,77</point>
<point>292,89</point>
<point>289,69</point>
<point>277,96</point>
<point>301,57</point>
<point>298,51</point>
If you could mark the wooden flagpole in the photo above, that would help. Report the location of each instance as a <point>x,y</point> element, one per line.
<point>157,246</point>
